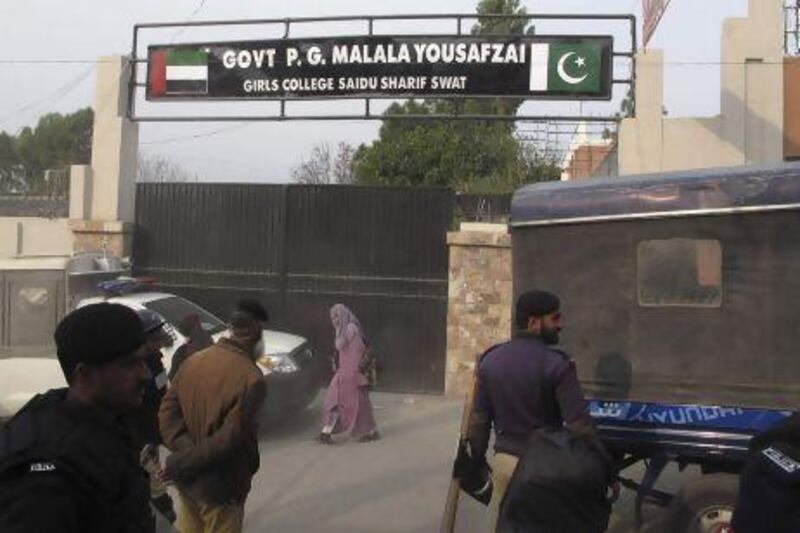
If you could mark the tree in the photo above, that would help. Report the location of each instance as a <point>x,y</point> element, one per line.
<point>10,171</point>
<point>436,152</point>
<point>343,164</point>
<point>476,155</point>
<point>497,25</point>
<point>56,142</point>
<point>324,167</point>
<point>493,25</point>
<point>159,169</point>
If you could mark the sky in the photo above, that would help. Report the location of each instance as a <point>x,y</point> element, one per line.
<point>48,50</point>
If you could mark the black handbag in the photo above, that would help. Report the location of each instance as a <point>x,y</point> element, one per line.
<point>368,366</point>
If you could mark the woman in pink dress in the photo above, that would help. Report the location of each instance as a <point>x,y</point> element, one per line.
<point>347,410</point>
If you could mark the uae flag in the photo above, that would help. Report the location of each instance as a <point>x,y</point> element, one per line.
<point>178,72</point>
<point>566,67</point>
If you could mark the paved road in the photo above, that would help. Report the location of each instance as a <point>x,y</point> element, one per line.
<point>397,484</point>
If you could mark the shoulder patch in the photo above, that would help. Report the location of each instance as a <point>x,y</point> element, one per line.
<point>42,466</point>
<point>786,463</point>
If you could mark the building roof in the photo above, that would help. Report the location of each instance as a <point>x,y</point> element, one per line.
<point>697,192</point>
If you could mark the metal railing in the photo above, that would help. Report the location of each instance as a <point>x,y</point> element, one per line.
<point>49,197</point>
<point>791,32</point>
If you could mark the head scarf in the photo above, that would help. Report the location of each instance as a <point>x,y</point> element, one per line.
<point>345,318</point>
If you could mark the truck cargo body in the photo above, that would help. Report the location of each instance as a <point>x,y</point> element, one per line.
<point>680,293</point>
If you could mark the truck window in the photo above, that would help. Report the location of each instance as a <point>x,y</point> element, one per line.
<point>679,272</point>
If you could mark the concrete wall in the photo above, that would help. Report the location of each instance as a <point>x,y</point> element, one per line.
<point>479,298</point>
<point>115,145</point>
<point>749,129</point>
<point>30,236</point>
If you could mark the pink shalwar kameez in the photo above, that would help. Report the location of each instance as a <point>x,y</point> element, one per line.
<point>347,408</point>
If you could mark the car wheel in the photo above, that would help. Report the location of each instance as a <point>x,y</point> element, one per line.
<point>705,505</point>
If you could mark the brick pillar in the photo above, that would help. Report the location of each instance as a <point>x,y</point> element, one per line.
<point>479,298</point>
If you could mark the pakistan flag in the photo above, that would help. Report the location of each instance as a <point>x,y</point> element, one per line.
<point>566,67</point>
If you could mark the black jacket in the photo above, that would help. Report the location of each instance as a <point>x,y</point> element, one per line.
<point>70,469</point>
<point>144,422</point>
<point>769,485</point>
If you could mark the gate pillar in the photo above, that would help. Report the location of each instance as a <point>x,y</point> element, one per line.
<point>479,298</point>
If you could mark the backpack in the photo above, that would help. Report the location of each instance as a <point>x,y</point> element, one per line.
<point>559,486</point>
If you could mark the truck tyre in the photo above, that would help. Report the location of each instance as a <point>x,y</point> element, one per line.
<point>704,505</point>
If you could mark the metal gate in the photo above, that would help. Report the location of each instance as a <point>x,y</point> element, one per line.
<point>302,248</point>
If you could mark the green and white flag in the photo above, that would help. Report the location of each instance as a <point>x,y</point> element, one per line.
<point>187,71</point>
<point>178,72</point>
<point>566,67</point>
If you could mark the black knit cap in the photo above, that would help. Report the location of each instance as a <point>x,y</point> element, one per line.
<point>97,334</point>
<point>246,311</point>
<point>535,304</point>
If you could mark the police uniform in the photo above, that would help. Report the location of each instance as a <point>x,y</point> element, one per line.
<point>523,385</point>
<point>769,485</point>
<point>70,469</point>
<point>144,422</point>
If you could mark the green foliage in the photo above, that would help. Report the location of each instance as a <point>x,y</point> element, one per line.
<point>475,156</point>
<point>480,156</point>
<point>9,161</point>
<point>57,142</point>
<point>498,25</point>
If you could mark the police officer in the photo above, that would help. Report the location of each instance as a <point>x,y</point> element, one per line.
<point>67,460</point>
<point>144,421</point>
<point>523,385</point>
<point>769,485</point>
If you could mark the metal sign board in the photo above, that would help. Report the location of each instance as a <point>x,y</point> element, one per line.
<point>563,67</point>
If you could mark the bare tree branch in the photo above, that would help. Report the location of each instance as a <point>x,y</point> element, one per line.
<point>159,169</point>
<point>343,164</point>
<point>324,167</point>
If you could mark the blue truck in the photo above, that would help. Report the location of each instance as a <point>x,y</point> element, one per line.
<point>680,292</point>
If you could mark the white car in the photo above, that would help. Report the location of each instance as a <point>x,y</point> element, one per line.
<point>291,370</point>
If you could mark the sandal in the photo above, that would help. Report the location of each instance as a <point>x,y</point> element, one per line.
<point>370,437</point>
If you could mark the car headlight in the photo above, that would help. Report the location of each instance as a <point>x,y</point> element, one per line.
<point>281,363</point>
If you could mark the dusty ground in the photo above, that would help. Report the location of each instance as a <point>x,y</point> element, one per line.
<point>397,484</point>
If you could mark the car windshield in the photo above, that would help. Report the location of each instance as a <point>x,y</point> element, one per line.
<point>174,309</point>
